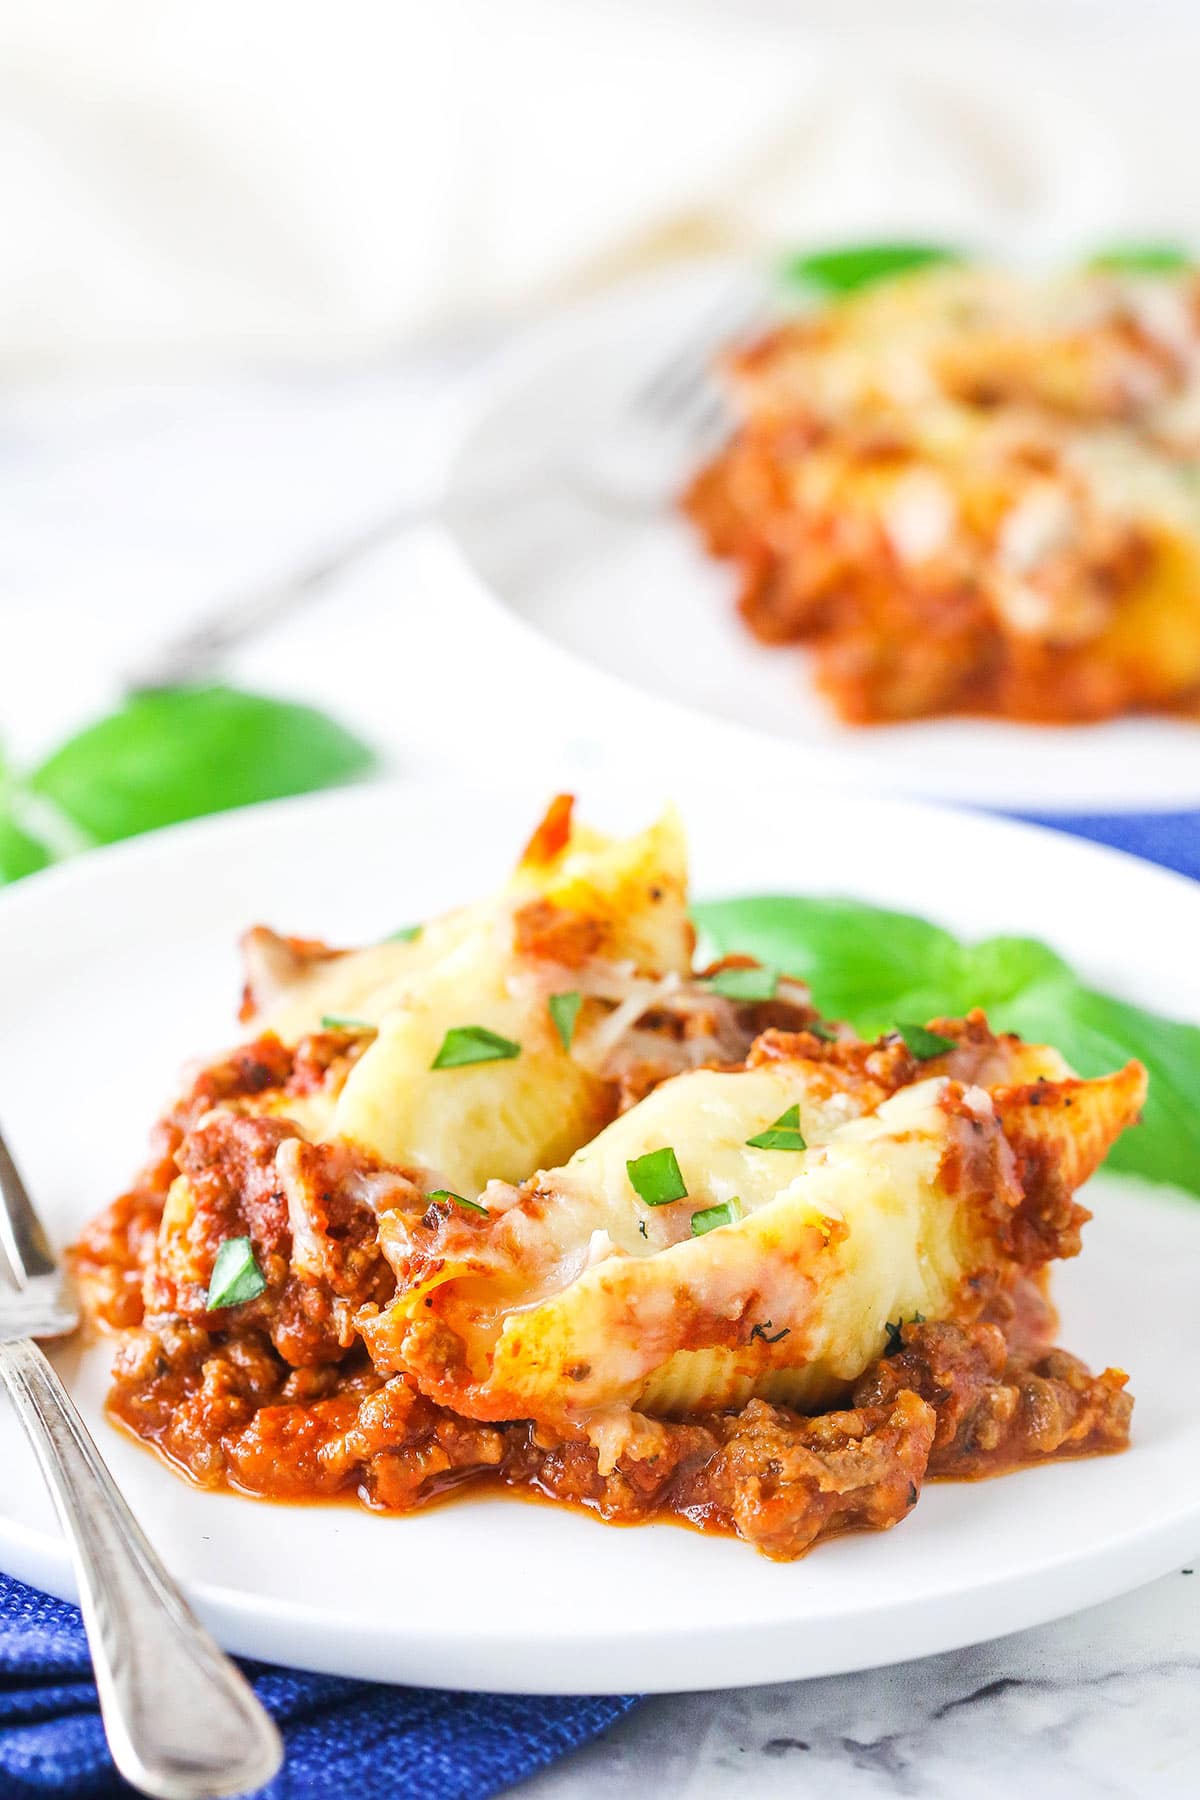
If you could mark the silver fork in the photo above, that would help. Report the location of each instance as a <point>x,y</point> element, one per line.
<point>181,1721</point>
<point>675,408</point>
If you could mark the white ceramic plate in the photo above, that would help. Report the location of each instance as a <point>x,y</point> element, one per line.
<point>627,592</point>
<point>117,968</point>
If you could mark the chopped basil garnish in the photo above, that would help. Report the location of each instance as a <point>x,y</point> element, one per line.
<point>819,1029</point>
<point>709,1217</point>
<point>407,934</point>
<point>924,1043</point>
<point>768,1336</point>
<point>236,1275</point>
<point>758,983</point>
<point>1142,259</point>
<point>465,1044</point>
<point>656,1178</point>
<point>564,1010</point>
<point>459,1200</point>
<point>849,269</point>
<point>343,1022</point>
<point>895,1340</point>
<point>784,1134</point>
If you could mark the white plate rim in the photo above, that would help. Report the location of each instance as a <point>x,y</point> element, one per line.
<point>1070,782</point>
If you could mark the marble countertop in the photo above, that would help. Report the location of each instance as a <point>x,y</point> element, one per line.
<point>126,508</point>
<point>1106,1703</point>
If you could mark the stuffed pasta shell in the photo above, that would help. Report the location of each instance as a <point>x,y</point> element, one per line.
<point>521,1197</point>
<point>752,1233</point>
<point>472,1072</point>
<point>496,1040</point>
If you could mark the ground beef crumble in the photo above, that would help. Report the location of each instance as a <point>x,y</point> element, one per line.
<point>278,1398</point>
<point>953,1401</point>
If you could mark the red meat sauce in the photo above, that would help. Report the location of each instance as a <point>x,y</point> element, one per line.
<point>276,1398</point>
<point>952,1401</point>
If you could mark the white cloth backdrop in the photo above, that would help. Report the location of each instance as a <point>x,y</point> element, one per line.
<point>275,177</point>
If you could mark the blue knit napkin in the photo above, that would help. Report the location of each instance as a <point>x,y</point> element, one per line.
<point>1172,839</point>
<point>344,1734</point>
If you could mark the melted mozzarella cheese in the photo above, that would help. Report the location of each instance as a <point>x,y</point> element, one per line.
<point>834,1241</point>
<point>576,1295</point>
<point>491,1119</point>
<point>504,1118</point>
<point>359,984</point>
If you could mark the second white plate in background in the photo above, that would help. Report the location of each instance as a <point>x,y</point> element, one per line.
<point>545,500</point>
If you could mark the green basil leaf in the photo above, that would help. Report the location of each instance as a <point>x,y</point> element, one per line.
<point>924,1043</point>
<point>236,1276</point>
<point>466,1044</point>
<point>873,966</point>
<point>407,934</point>
<point>784,1134</point>
<point>564,1010</point>
<point>444,1194</point>
<point>1142,259</point>
<point>868,964</point>
<point>709,1217</point>
<point>178,753</point>
<point>854,266</point>
<point>656,1177</point>
<point>343,1022</point>
<point>745,984</point>
<point>854,956</point>
<point>20,854</point>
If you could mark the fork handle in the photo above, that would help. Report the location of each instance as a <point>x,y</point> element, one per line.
<point>181,1721</point>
